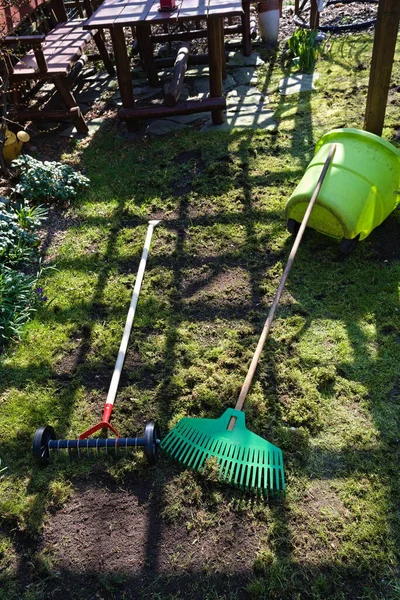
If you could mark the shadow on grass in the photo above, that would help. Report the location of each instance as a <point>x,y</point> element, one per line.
<point>281,576</point>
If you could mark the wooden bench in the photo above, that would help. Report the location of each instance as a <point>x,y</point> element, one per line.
<point>44,57</point>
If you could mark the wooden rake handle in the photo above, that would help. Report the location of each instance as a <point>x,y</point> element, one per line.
<point>250,374</point>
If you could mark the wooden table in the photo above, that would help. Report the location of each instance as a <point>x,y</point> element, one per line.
<point>114,15</point>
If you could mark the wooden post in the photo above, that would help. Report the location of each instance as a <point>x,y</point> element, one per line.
<point>247,46</point>
<point>143,33</point>
<point>175,87</point>
<point>222,51</point>
<point>314,15</point>
<point>214,26</point>
<point>123,68</point>
<point>387,25</point>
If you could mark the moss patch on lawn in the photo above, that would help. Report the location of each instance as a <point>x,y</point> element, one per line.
<point>326,391</point>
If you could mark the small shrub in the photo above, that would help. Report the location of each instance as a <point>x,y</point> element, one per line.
<point>47,181</point>
<point>302,48</point>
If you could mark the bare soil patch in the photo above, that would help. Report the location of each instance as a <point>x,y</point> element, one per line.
<point>119,531</point>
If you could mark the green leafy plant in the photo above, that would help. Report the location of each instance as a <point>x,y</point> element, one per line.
<point>18,299</point>
<point>19,243</point>
<point>302,49</point>
<point>18,240</point>
<point>47,181</point>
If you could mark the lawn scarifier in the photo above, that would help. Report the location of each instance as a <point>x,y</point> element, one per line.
<point>45,438</point>
<point>245,459</point>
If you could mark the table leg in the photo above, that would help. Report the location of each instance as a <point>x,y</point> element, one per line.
<point>214,26</point>
<point>222,42</point>
<point>143,32</point>
<point>123,68</point>
<point>247,46</point>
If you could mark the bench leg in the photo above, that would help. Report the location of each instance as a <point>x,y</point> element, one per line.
<point>214,26</point>
<point>70,102</point>
<point>99,39</point>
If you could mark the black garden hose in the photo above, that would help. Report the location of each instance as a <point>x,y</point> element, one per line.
<point>300,22</point>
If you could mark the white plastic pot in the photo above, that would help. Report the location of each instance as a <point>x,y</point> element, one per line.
<point>268,20</point>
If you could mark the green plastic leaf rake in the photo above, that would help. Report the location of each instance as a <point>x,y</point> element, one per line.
<point>245,459</point>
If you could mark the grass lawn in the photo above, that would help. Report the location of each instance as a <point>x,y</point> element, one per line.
<point>327,389</point>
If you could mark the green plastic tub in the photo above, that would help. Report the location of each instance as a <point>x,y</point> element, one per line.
<point>361,188</point>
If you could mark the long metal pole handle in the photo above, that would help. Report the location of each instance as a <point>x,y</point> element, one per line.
<point>250,374</point>
<point>112,392</point>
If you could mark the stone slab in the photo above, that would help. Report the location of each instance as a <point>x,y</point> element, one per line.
<point>237,59</point>
<point>94,126</point>
<point>201,85</point>
<point>299,82</point>
<point>188,119</point>
<point>243,75</point>
<point>197,71</point>
<point>163,126</point>
<point>244,120</point>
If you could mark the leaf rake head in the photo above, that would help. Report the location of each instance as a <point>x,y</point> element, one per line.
<point>246,460</point>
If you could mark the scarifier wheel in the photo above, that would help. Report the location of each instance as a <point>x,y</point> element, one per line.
<point>151,441</point>
<point>40,443</point>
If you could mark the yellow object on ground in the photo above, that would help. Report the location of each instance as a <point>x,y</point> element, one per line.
<point>13,144</point>
<point>362,189</point>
